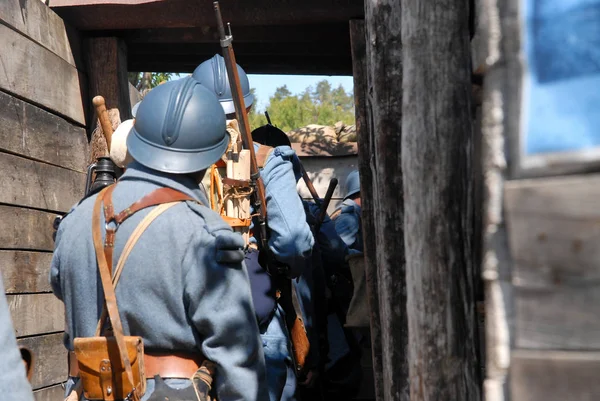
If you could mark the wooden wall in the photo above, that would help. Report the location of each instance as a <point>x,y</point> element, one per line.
<point>43,156</point>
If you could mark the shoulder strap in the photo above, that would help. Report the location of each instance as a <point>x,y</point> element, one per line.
<point>262,155</point>
<point>104,253</point>
<point>335,214</point>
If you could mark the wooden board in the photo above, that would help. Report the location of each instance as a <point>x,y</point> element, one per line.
<point>26,229</point>
<point>36,314</point>
<point>35,73</point>
<point>25,271</point>
<point>51,359</point>
<point>322,169</point>
<point>559,317</point>
<point>52,393</point>
<point>33,184</point>
<point>555,376</point>
<point>37,134</point>
<point>36,21</point>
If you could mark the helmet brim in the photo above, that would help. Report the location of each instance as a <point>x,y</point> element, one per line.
<point>170,161</point>
<point>229,106</point>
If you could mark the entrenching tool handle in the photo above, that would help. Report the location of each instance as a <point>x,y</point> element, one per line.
<point>310,186</point>
<point>332,185</point>
<point>100,106</point>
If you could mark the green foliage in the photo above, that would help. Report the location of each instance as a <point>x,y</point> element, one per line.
<point>148,80</point>
<point>321,105</point>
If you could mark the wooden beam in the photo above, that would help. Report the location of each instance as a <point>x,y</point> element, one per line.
<point>26,229</point>
<point>25,271</point>
<point>384,116</point>
<point>39,135</point>
<point>36,314</point>
<point>366,171</point>
<point>42,186</point>
<point>51,359</point>
<point>554,376</point>
<point>32,72</point>
<point>106,59</point>
<point>437,160</point>
<point>36,21</point>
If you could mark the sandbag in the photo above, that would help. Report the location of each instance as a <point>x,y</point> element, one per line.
<point>348,134</point>
<point>313,133</point>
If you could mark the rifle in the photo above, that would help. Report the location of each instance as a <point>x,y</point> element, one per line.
<point>286,298</point>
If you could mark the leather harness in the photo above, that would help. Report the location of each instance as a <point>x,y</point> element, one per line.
<point>165,364</point>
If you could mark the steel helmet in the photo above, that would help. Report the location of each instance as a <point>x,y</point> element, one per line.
<point>179,128</point>
<point>213,74</point>
<point>352,184</point>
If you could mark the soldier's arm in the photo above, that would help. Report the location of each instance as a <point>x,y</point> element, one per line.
<point>290,240</point>
<point>219,303</point>
<point>55,266</point>
<point>333,249</point>
<point>347,226</point>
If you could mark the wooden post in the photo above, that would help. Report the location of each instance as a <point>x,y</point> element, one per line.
<point>359,72</point>
<point>437,146</point>
<point>384,116</point>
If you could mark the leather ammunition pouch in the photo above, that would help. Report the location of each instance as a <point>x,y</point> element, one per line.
<point>111,367</point>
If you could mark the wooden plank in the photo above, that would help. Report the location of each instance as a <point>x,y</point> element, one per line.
<point>26,229</point>
<point>25,271</point>
<point>50,359</point>
<point>558,317</point>
<point>52,393</point>
<point>35,73</point>
<point>322,169</point>
<point>36,21</point>
<point>36,314</point>
<point>554,376</point>
<point>37,134</point>
<point>33,184</point>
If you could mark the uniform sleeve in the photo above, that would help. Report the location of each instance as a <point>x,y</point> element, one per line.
<point>290,240</point>
<point>13,380</point>
<point>333,249</point>
<point>55,267</point>
<point>219,303</point>
<point>347,226</point>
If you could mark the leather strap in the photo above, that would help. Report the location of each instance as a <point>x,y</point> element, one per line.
<point>262,155</point>
<point>176,365</point>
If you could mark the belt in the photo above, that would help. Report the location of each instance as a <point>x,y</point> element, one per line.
<point>166,365</point>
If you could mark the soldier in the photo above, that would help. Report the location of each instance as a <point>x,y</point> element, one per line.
<point>347,216</point>
<point>183,289</point>
<point>13,378</point>
<point>290,239</point>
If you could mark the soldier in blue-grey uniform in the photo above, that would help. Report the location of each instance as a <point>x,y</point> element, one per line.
<point>184,288</point>
<point>347,216</point>
<point>13,380</point>
<point>290,239</point>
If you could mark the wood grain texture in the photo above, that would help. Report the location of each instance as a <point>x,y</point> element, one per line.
<point>33,184</point>
<point>554,376</point>
<point>35,73</point>
<point>26,229</point>
<point>52,393</point>
<point>25,271</point>
<point>36,314</point>
<point>51,359</point>
<point>437,157</point>
<point>384,71</point>
<point>36,21</point>
<point>37,134</point>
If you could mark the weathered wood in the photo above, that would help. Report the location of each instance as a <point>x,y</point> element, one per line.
<point>322,169</point>
<point>555,376</point>
<point>52,393</point>
<point>36,314</point>
<point>107,74</point>
<point>33,184</point>
<point>36,21</point>
<point>560,316</point>
<point>35,73</point>
<point>51,359</point>
<point>365,146</point>
<point>37,134</point>
<point>384,116</point>
<point>437,146</point>
<point>25,271</point>
<point>26,229</point>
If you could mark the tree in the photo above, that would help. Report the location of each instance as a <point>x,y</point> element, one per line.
<point>148,80</point>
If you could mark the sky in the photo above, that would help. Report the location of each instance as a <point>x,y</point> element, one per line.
<point>266,84</point>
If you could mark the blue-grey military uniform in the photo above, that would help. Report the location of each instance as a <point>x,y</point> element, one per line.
<point>13,380</point>
<point>205,270</point>
<point>348,225</point>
